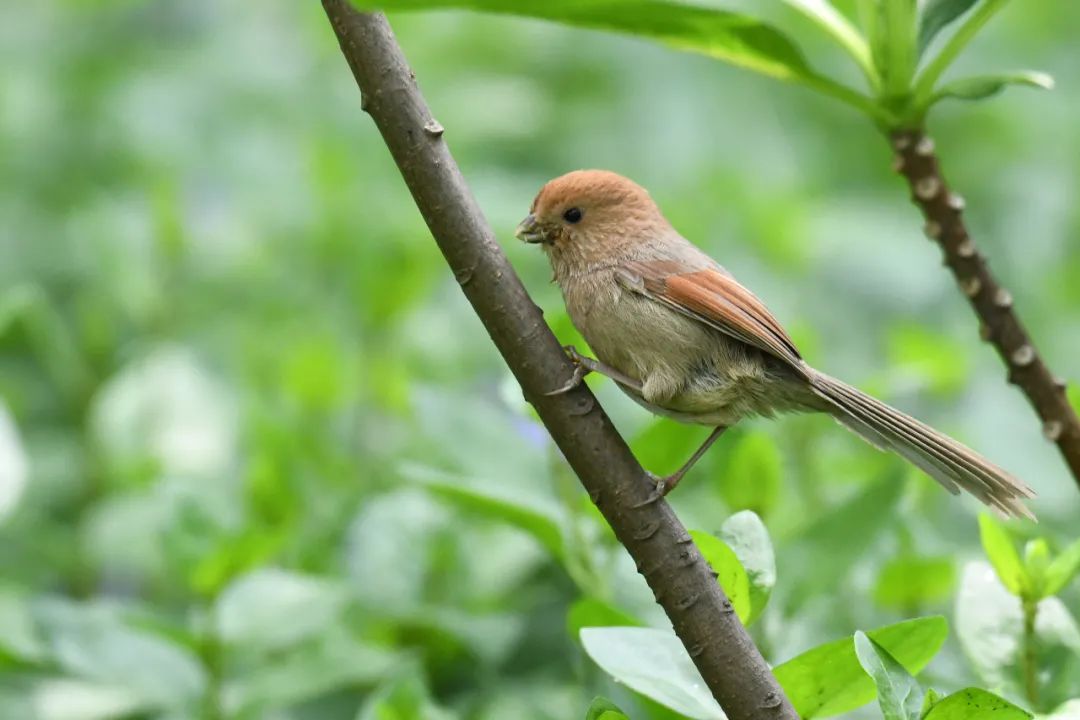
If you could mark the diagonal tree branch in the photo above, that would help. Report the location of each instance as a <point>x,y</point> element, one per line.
<point>917,161</point>
<point>682,582</point>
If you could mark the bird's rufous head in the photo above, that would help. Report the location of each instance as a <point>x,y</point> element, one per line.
<point>586,213</point>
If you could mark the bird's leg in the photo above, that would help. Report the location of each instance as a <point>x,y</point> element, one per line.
<point>584,365</point>
<point>664,485</point>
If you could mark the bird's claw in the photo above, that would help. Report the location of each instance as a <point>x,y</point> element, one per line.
<point>660,488</point>
<point>579,372</point>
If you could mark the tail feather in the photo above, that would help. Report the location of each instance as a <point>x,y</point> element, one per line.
<point>939,456</point>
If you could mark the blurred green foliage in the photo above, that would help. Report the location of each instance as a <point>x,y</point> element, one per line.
<point>259,460</point>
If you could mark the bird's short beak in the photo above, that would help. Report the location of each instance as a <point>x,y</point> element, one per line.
<point>529,230</point>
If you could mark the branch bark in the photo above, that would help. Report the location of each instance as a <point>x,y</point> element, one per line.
<point>671,564</point>
<point>943,210</point>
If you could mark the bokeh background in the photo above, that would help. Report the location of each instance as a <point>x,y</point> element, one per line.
<point>246,414</point>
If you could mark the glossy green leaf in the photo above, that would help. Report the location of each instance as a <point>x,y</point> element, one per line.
<point>928,78</point>
<point>893,44</point>
<point>746,535</point>
<point>720,34</point>
<point>984,86</point>
<point>655,664</point>
<point>828,679</point>
<point>603,709</point>
<point>833,22</point>
<point>752,478</point>
<point>593,612</point>
<point>999,549</point>
<point>899,694</point>
<point>975,704</point>
<point>729,571</point>
<point>936,16</point>
<point>1062,569</point>
<point>909,581</point>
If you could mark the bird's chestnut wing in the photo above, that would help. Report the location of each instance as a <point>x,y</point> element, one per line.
<point>715,298</point>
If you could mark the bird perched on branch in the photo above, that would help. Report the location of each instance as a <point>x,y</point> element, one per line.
<point>684,339</point>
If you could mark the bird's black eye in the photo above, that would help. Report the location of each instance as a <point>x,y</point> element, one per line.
<point>572,215</point>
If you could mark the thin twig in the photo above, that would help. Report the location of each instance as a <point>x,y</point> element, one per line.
<point>943,209</point>
<point>682,582</point>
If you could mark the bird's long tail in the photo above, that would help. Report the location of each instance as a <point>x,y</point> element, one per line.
<point>950,463</point>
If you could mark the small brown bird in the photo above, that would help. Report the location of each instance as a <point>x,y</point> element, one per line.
<point>684,339</point>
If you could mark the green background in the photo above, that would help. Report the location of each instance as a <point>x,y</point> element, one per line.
<point>245,384</point>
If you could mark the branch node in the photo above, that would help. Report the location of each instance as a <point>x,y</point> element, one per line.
<point>966,248</point>
<point>1052,430</point>
<point>925,146</point>
<point>971,286</point>
<point>433,128</point>
<point>932,229</point>
<point>584,406</point>
<point>365,102</point>
<point>646,531</point>
<point>956,202</point>
<point>1023,356</point>
<point>1060,384</point>
<point>771,701</point>
<point>464,275</point>
<point>687,602</point>
<point>1003,299</point>
<point>927,188</point>
<point>898,164</point>
<point>902,142</point>
<point>696,649</point>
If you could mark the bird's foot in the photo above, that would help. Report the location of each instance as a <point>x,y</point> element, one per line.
<point>660,487</point>
<point>581,369</point>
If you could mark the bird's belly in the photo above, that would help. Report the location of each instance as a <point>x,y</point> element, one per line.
<point>691,372</point>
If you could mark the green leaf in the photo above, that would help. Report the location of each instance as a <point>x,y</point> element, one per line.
<point>720,34</point>
<point>271,608</point>
<point>404,698</point>
<point>828,679</point>
<point>909,581</point>
<point>92,641</point>
<point>1062,569</point>
<point>593,612</point>
<point>899,694</point>
<point>603,709</point>
<point>544,526</point>
<point>936,16</point>
<point>833,22</point>
<point>981,87</point>
<point>1002,554</point>
<point>752,477</point>
<point>893,45</point>
<point>655,664</point>
<point>975,704</point>
<point>729,571</point>
<point>1036,562</point>
<point>746,535</point>
<point>927,80</point>
<point>333,662</point>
